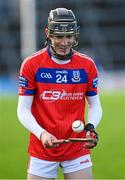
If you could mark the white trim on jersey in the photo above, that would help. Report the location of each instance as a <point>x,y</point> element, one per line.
<point>83,56</point>
<point>60,61</point>
<point>30,57</point>
<point>94,110</point>
<point>25,116</point>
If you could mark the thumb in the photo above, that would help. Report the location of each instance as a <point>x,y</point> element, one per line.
<point>87,133</point>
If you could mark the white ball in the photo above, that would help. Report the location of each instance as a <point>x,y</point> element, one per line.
<point>77,126</point>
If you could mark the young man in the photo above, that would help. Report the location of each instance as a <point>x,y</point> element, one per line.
<point>53,86</point>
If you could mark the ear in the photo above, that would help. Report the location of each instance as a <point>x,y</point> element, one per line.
<point>47,32</point>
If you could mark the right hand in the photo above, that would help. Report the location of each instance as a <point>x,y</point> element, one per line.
<point>47,140</point>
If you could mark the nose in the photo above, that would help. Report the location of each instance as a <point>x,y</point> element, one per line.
<point>63,41</point>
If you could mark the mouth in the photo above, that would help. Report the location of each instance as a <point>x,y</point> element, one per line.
<point>63,49</point>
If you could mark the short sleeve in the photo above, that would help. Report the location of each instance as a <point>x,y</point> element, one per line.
<point>92,88</point>
<point>27,85</point>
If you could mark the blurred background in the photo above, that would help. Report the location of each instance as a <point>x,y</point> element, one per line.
<point>102,26</point>
<point>102,37</point>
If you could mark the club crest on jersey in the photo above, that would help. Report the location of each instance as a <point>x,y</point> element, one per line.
<point>76,76</point>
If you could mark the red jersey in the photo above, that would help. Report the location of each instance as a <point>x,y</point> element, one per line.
<point>59,92</point>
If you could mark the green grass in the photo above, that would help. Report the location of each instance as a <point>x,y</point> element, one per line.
<point>108,156</point>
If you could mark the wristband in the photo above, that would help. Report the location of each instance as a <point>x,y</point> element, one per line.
<point>89,127</point>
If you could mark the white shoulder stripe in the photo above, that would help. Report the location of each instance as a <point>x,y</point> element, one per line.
<point>30,57</point>
<point>83,55</point>
<point>35,54</point>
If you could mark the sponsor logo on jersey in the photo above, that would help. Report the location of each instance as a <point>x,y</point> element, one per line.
<point>95,82</point>
<point>76,76</point>
<point>46,75</point>
<point>23,82</point>
<point>61,72</point>
<point>54,95</point>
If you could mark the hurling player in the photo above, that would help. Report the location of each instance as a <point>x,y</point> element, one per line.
<point>54,85</point>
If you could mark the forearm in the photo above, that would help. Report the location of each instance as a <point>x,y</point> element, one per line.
<point>94,110</point>
<point>25,116</point>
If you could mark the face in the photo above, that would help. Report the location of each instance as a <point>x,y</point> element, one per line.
<point>62,43</point>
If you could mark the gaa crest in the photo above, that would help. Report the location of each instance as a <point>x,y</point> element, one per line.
<point>76,76</point>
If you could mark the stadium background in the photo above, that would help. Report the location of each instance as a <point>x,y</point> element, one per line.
<point>102,27</point>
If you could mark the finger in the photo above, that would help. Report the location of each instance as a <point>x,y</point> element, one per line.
<point>51,146</point>
<point>89,145</point>
<point>47,145</point>
<point>93,135</point>
<point>50,142</point>
<point>47,142</point>
<point>88,133</point>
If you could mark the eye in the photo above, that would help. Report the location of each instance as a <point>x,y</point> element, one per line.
<point>64,36</point>
<point>69,36</point>
<point>59,37</point>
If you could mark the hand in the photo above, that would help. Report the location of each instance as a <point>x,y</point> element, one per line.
<point>90,133</point>
<point>47,140</point>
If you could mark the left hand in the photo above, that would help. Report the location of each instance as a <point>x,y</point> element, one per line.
<point>91,133</point>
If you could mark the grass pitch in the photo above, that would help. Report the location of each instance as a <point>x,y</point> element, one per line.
<point>108,156</point>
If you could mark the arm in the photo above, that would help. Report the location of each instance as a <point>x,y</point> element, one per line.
<point>94,117</point>
<point>29,122</point>
<point>94,110</point>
